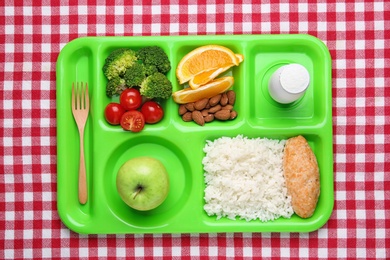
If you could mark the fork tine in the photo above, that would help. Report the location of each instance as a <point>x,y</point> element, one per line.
<point>80,96</point>
<point>76,96</point>
<point>73,96</point>
<point>86,96</point>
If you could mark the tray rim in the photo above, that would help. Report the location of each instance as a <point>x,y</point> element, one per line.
<point>73,226</point>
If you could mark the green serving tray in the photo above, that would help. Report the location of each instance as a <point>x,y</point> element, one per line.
<point>179,145</point>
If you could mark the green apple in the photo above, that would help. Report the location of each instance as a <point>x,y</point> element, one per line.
<point>143,183</point>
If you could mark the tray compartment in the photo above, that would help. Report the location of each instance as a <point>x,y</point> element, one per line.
<point>179,49</point>
<point>318,142</point>
<point>270,54</point>
<point>105,47</point>
<point>79,59</point>
<point>180,176</point>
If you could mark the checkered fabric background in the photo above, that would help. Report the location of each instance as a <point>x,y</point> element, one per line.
<point>357,33</point>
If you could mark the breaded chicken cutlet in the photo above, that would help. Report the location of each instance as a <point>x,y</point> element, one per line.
<point>302,177</point>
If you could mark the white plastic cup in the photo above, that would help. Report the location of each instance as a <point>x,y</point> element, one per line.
<point>289,83</point>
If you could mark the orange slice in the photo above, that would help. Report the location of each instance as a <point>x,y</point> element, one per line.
<point>206,76</point>
<point>240,57</point>
<point>209,90</point>
<point>204,58</point>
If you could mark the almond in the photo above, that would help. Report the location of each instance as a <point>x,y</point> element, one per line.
<point>231,97</point>
<point>198,118</point>
<point>209,118</point>
<point>182,110</point>
<point>227,107</point>
<point>224,99</point>
<point>205,112</point>
<point>201,104</point>
<point>190,106</point>
<point>233,114</point>
<point>214,109</point>
<point>215,100</point>
<point>187,117</point>
<point>222,115</point>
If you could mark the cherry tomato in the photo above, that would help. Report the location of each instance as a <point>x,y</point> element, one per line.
<point>152,112</point>
<point>132,121</point>
<point>130,99</point>
<point>113,113</point>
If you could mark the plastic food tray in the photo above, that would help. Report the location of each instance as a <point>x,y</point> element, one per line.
<point>178,144</point>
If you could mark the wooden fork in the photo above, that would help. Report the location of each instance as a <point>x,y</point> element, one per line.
<point>80,110</point>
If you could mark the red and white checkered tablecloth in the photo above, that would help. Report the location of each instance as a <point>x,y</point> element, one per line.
<point>357,33</point>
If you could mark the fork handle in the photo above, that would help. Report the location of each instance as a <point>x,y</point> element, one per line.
<point>83,192</point>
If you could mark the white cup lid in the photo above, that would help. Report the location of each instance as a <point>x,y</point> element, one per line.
<point>289,83</point>
<point>294,78</point>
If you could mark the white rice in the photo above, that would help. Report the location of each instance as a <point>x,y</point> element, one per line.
<point>244,178</point>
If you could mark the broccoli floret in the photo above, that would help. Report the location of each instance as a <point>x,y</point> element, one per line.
<point>118,61</point>
<point>115,86</point>
<point>150,69</point>
<point>154,56</point>
<point>134,75</point>
<point>156,85</point>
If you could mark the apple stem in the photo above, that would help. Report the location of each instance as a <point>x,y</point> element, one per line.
<point>138,191</point>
